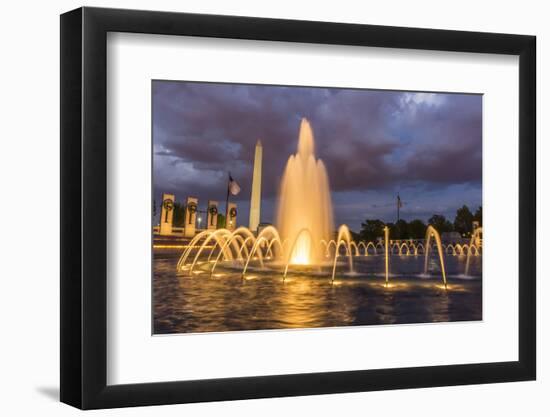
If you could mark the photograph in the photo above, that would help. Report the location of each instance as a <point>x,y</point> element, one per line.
<point>294,207</point>
<point>275,209</point>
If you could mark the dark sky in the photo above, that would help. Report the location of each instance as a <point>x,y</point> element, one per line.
<point>374,144</point>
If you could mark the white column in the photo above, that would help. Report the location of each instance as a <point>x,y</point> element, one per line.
<point>256,195</point>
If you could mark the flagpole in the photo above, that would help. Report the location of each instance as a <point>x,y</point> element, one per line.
<point>398,206</point>
<point>227,203</point>
<point>397,224</point>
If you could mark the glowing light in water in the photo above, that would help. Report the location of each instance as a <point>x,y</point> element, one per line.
<point>291,253</point>
<point>305,203</point>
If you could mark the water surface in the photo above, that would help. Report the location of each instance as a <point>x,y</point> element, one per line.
<point>261,301</point>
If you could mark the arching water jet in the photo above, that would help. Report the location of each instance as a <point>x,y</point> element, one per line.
<point>344,238</point>
<point>270,230</point>
<point>429,233</point>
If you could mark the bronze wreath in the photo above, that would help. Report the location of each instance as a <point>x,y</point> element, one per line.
<point>168,204</point>
<point>192,208</point>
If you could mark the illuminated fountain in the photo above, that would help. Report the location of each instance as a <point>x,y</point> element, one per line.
<point>304,215</point>
<point>303,238</point>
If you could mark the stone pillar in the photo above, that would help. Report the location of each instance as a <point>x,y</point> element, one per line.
<point>167,214</point>
<point>231,216</point>
<point>191,207</point>
<point>212,215</point>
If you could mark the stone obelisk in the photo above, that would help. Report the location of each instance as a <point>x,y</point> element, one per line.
<point>256,195</point>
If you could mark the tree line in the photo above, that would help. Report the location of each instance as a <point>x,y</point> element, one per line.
<point>416,229</point>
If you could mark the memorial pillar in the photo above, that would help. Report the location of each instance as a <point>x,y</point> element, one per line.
<point>190,216</point>
<point>167,214</point>
<point>212,215</point>
<point>231,216</point>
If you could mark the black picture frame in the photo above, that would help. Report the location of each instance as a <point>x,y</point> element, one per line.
<point>84,207</point>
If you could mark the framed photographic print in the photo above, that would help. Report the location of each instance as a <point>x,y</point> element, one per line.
<point>258,208</point>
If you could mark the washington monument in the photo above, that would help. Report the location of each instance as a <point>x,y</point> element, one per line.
<point>256,195</point>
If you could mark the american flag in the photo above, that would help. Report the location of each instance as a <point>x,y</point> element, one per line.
<point>233,187</point>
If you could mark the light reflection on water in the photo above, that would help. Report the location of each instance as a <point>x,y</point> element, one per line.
<point>261,301</point>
